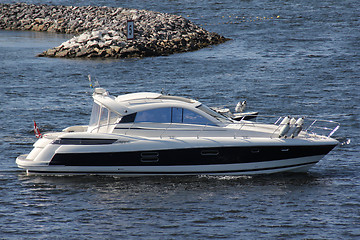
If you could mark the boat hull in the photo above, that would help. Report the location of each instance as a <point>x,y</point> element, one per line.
<point>289,165</point>
<point>198,161</point>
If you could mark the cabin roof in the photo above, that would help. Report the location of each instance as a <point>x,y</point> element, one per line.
<point>134,102</point>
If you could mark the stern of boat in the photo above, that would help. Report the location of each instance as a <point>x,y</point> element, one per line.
<point>41,154</point>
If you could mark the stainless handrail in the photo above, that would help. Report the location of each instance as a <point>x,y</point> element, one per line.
<point>166,129</point>
<point>322,128</point>
<point>312,128</point>
<point>102,125</point>
<point>242,124</point>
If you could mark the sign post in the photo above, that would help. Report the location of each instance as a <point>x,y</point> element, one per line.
<point>130,30</point>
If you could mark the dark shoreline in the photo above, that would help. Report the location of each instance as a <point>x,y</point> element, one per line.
<point>101,31</point>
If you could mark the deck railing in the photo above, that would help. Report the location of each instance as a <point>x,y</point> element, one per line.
<point>322,127</point>
<point>311,127</point>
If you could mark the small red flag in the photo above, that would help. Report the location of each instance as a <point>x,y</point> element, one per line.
<point>37,131</point>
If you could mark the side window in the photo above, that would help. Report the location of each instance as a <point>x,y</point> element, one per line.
<point>128,118</point>
<point>167,115</point>
<point>113,117</point>
<point>94,115</point>
<point>104,116</point>
<point>176,115</point>
<point>158,115</point>
<point>195,118</point>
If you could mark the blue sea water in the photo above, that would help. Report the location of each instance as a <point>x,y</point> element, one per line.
<point>285,57</point>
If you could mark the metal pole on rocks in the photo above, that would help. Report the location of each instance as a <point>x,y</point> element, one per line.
<point>130,29</point>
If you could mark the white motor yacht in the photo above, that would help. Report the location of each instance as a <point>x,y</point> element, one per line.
<point>153,134</point>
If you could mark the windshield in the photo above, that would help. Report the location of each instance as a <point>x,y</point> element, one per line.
<point>100,115</point>
<point>214,114</point>
<point>94,115</point>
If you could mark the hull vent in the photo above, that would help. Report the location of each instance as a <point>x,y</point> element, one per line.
<point>149,157</point>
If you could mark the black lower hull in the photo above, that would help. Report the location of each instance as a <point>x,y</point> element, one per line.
<point>183,157</point>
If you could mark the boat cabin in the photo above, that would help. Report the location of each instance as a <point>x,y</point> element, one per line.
<point>149,111</point>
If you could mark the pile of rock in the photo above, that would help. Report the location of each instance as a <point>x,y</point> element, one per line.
<point>103,30</point>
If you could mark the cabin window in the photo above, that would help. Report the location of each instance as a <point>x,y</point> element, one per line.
<point>94,115</point>
<point>176,115</point>
<point>128,118</point>
<point>167,115</point>
<point>191,117</point>
<point>157,115</point>
<point>104,116</point>
<point>113,117</point>
<point>211,112</point>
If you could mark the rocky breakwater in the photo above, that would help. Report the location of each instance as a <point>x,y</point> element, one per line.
<point>102,31</point>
